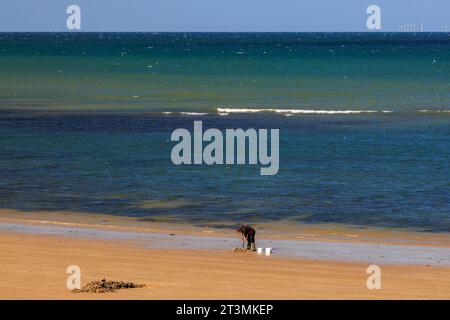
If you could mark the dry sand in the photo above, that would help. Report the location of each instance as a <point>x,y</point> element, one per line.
<point>34,267</point>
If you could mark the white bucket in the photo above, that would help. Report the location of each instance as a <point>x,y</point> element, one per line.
<point>260,250</point>
<point>268,251</point>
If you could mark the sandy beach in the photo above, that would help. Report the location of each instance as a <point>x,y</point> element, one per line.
<point>34,258</point>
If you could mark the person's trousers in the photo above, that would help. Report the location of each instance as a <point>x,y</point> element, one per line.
<point>251,242</point>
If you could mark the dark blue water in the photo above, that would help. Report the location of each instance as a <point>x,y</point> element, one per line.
<point>383,170</point>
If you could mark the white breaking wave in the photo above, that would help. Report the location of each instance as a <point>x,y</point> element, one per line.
<point>435,111</point>
<point>291,112</point>
<point>186,113</point>
<point>295,111</point>
<point>194,113</point>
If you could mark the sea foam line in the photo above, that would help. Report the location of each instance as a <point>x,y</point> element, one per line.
<point>434,111</point>
<point>194,113</point>
<point>290,112</point>
<point>295,111</point>
<point>187,113</point>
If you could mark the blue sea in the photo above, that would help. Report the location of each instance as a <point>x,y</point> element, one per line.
<point>364,120</point>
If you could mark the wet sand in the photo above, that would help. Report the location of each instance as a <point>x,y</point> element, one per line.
<point>280,230</point>
<point>33,266</point>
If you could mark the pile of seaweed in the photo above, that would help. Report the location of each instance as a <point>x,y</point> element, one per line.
<point>107,286</point>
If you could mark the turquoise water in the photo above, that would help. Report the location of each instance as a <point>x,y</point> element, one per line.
<point>85,123</point>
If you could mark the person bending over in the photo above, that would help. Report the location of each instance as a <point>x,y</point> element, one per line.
<point>248,233</point>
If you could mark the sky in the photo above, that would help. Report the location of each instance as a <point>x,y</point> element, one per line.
<point>221,15</point>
